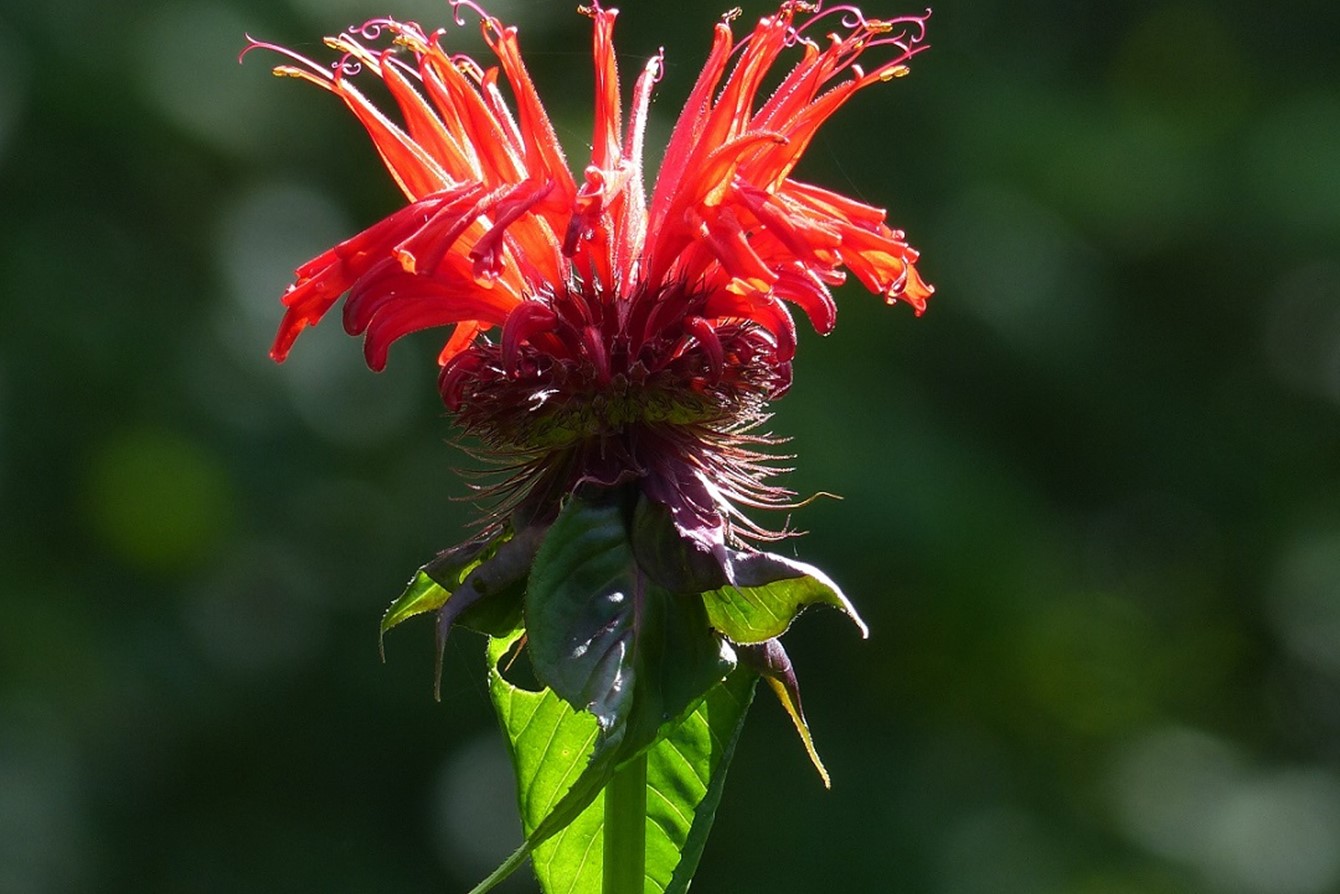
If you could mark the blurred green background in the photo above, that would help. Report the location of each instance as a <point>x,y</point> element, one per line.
<point>1092,497</point>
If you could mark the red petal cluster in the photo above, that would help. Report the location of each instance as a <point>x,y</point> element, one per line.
<point>496,225</point>
<point>602,334</point>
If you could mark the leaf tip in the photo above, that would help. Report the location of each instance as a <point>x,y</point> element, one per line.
<point>860,625</point>
<point>510,865</point>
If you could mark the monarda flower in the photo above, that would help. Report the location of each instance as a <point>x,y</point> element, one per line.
<point>616,351</point>
<point>601,335</point>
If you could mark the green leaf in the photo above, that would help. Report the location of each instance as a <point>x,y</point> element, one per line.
<point>606,637</point>
<point>686,774</point>
<point>767,593</point>
<point>561,768</point>
<point>560,759</point>
<point>479,584</point>
<point>434,583</point>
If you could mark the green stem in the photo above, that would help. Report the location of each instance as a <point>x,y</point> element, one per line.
<point>626,829</point>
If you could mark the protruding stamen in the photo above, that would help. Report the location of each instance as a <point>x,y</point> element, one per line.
<point>372,29</point>
<point>347,66</point>
<point>485,20</point>
<point>284,70</point>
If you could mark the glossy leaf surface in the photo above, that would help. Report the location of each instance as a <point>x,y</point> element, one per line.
<point>608,639</point>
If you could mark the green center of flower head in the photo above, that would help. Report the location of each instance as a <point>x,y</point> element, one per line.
<point>616,408</point>
<point>535,417</point>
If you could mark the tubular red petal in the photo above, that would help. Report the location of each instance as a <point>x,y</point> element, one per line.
<point>596,195</point>
<point>605,139</point>
<point>461,338</point>
<point>631,228</point>
<point>728,241</point>
<point>731,112</point>
<point>799,86</point>
<point>802,286</point>
<point>486,147</point>
<point>707,339</point>
<point>422,251</point>
<point>769,167</point>
<point>322,280</point>
<point>453,375</point>
<point>689,127</point>
<point>916,290</point>
<point>831,204</point>
<point>802,235</point>
<point>370,292</point>
<point>525,321</point>
<point>416,172</point>
<point>487,252</point>
<point>289,328</point>
<point>414,311</point>
<point>387,286</point>
<point>763,309</point>
<point>424,127</point>
<point>351,257</point>
<point>511,131</point>
<point>543,155</point>
<point>693,204</point>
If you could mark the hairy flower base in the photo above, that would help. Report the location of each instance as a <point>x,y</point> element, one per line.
<point>583,389</point>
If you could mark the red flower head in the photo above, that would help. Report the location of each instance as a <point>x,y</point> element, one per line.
<point>601,335</point>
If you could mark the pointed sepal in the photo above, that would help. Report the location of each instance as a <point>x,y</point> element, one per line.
<point>772,663</point>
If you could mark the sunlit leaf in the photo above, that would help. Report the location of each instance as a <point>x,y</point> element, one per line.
<point>561,769</point>
<point>434,583</point>
<point>767,594</point>
<point>633,668</point>
<point>686,774</point>
<point>561,760</point>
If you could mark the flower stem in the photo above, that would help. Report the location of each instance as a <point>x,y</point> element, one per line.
<point>626,829</point>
